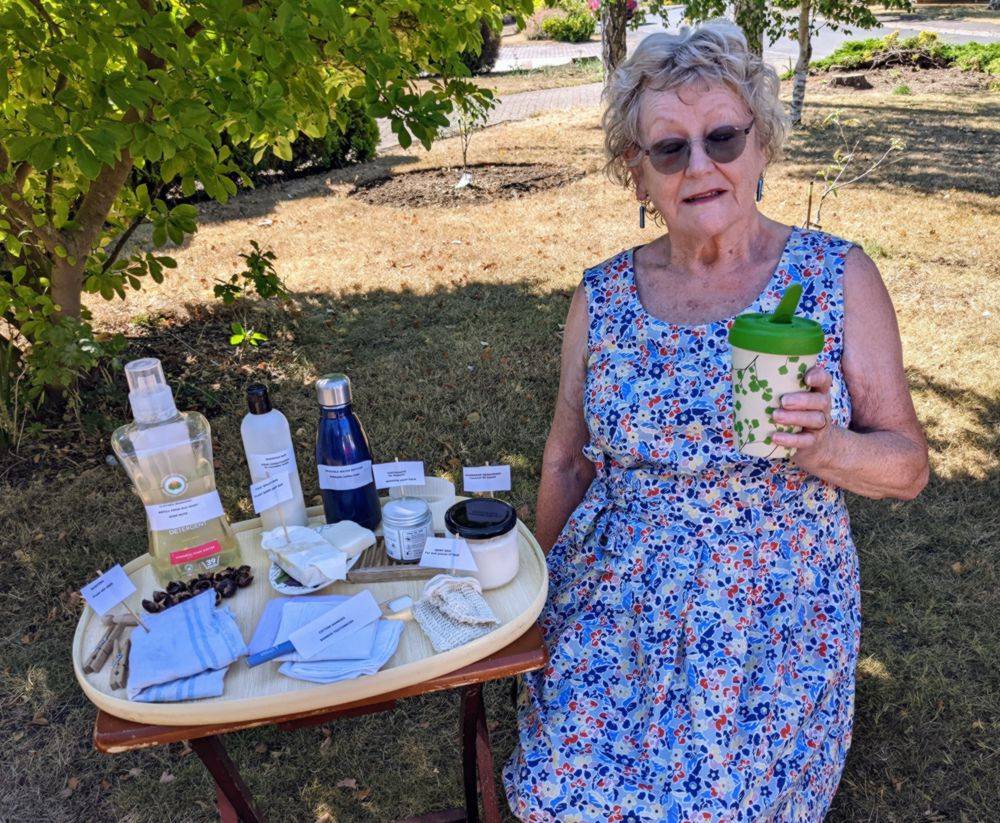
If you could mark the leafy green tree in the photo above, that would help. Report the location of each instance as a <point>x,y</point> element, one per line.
<point>809,16</point>
<point>769,20</point>
<point>106,103</point>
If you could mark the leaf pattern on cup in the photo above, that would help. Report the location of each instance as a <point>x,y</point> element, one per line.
<point>750,380</point>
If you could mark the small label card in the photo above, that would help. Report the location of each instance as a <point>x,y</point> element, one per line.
<point>183,513</point>
<point>108,590</point>
<point>270,492</point>
<point>399,473</point>
<point>340,621</point>
<point>448,553</point>
<point>344,478</point>
<point>486,478</point>
<point>272,463</point>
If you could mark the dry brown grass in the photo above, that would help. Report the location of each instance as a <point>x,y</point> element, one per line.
<point>440,312</point>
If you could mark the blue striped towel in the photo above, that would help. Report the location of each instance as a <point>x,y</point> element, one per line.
<point>185,653</point>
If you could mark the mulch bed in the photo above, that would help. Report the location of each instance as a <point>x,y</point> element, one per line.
<point>492,181</point>
<point>920,81</point>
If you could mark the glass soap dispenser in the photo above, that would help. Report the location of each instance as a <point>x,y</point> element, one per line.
<point>168,456</point>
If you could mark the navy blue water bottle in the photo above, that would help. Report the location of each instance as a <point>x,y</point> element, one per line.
<point>343,457</point>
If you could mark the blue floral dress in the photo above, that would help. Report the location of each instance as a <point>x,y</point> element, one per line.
<point>703,615</point>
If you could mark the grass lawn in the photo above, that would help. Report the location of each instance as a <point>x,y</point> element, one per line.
<point>448,321</point>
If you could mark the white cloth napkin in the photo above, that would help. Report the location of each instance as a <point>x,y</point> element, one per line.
<point>387,634</point>
<point>186,652</point>
<point>294,615</point>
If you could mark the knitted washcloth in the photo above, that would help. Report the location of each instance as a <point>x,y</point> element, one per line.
<point>453,611</point>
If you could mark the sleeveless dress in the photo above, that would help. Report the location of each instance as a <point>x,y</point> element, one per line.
<point>703,615</point>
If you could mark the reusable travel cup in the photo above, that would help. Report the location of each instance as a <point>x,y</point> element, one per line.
<point>771,355</point>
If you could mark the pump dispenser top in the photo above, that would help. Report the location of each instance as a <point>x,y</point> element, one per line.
<point>149,394</point>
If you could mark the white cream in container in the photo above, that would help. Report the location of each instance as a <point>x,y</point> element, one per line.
<point>439,492</point>
<point>489,527</point>
<point>406,525</point>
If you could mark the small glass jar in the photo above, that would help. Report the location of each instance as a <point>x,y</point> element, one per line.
<point>406,525</point>
<point>488,527</point>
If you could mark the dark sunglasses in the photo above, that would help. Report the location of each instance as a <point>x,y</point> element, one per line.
<point>722,145</point>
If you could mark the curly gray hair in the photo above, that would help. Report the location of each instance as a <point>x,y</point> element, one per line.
<point>715,52</point>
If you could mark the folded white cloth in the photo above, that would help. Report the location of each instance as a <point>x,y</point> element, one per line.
<point>305,555</point>
<point>453,611</point>
<point>185,653</point>
<point>346,536</point>
<point>387,634</point>
<point>294,615</point>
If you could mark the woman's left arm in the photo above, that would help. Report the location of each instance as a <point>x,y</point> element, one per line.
<point>884,452</point>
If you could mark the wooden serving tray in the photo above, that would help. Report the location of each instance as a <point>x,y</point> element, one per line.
<point>375,566</point>
<point>259,693</point>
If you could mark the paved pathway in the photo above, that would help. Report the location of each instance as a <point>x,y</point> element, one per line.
<point>781,54</point>
<point>520,107</point>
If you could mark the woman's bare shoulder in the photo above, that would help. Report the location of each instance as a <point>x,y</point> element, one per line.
<point>864,288</point>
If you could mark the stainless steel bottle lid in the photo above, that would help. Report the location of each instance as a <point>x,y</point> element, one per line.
<point>400,512</point>
<point>333,390</point>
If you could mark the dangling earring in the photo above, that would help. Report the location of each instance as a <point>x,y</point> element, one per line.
<point>760,188</point>
<point>642,215</point>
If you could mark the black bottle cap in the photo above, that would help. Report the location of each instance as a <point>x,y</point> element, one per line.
<point>257,399</point>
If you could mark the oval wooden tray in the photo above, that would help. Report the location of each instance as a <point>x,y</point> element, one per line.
<point>253,694</point>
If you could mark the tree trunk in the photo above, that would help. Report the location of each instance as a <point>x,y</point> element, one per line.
<point>67,286</point>
<point>67,279</point>
<point>613,21</point>
<point>802,65</point>
<point>749,16</point>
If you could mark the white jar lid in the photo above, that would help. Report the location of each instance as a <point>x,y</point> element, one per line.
<point>405,511</point>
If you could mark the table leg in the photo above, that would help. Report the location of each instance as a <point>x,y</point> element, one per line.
<point>227,814</point>
<point>471,708</point>
<point>484,758</point>
<point>477,758</point>
<point>228,783</point>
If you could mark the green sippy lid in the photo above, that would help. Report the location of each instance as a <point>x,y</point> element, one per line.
<point>778,333</point>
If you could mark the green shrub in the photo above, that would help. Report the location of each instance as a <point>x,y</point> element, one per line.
<point>353,141</point>
<point>533,25</point>
<point>903,89</point>
<point>575,27</point>
<point>483,60</point>
<point>984,57</point>
<point>923,51</point>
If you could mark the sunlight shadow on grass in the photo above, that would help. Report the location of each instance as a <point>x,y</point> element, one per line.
<point>944,149</point>
<point>873,667</point>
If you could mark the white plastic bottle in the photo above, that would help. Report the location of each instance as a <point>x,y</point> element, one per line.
<point>267,441</point>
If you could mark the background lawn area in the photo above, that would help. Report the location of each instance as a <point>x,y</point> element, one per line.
<point>448,321</point>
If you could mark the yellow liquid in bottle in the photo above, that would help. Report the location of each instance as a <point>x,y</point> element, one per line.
<point>171,468</point>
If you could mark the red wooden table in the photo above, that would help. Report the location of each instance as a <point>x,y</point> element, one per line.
<point>113,735</point>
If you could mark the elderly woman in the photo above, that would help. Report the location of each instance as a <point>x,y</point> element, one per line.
<point>703,617</point>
